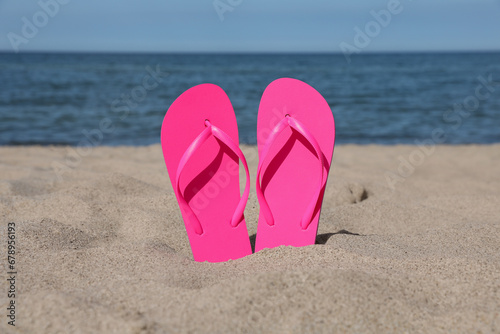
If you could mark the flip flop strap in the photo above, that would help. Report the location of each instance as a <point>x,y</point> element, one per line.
<point>212,130</point>
<point>301,129</point>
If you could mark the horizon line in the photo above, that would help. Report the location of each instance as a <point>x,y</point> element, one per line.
<point>248,52</point>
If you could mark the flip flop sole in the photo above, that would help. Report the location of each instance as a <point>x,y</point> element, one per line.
<point>291,175</point>
<point>210,179</point>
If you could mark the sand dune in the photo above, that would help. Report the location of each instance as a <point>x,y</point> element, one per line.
<point>102,248</point>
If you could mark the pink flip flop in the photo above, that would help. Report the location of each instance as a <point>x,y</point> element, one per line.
<point>199,138</point>
<point>295,136</point>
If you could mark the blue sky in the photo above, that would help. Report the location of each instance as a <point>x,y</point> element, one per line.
<point>248,25</point>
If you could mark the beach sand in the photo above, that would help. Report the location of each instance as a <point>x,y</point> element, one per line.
<point>103,249</point>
